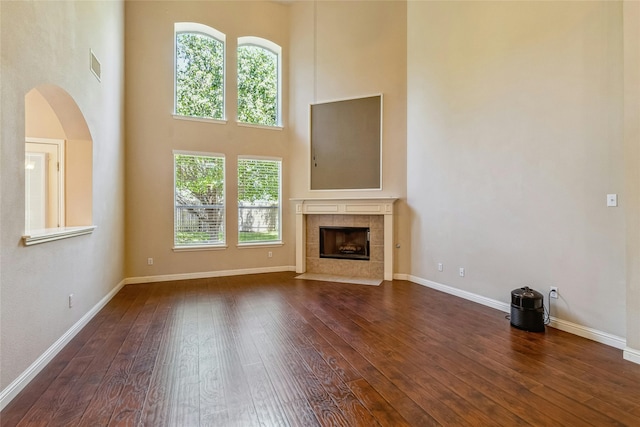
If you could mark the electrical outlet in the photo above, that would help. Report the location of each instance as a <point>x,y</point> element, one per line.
<point>553,292</point>
<point>270,254</point>
<point>440,267</point>
<point>70,300</point>
<point>461,271</point>
<point>149,261</point>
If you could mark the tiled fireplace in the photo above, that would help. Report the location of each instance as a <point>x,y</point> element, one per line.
<point>372,214</point>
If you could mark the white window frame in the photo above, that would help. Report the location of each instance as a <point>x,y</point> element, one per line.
<point>267,243</point>
<point>194,27</point>
<point>277,50</point>
<point>209,246</point>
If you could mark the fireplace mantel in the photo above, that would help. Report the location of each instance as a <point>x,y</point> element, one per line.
<point>346,206</point>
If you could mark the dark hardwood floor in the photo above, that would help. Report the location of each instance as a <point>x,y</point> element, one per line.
<point>271,350</point>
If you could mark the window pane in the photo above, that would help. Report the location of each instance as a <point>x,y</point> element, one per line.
<point>199,200</point>
<point>258,200</point>
<point>257,85</point>
<point>199,76</point>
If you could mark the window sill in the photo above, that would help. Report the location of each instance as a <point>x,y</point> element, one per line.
<point>252,125</point>
<point>199,119</point>
<point>273,244</point>
<point>199,248</point>
<point>50,234</point>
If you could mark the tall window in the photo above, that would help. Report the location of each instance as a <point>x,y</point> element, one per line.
<point>199,71</point>
<point>258,81</point>
<point>199,200</point>
<point>259,207</point>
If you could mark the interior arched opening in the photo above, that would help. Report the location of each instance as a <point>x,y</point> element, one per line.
<point>58,161</point>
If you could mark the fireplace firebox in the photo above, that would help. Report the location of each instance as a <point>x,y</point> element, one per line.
<point>345,243</point>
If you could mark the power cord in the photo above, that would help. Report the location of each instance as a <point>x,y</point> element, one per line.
<point>547,313</point>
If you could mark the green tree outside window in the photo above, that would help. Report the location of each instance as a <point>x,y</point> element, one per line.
<point>199,200</point>
<point>199,76</point>
<point>257,85</point>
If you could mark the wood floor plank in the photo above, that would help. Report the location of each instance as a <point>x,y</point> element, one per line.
<point>555,377</point>
<point>300,414</point>
<point>422,394</point>
<point>349,404</point>
<point>267,406</point>
<point>107,396</point>
<point>442,369</point>
<point>432,394</point>
<point>104,352</point>
<point>554,413</point>
<point>299,376</point>
<point>409,409</point>
<point>157,405</point>
<point>212,405</point>
<point>269,349</point>
<point>384,413</point>
<point>53,398</point>
<point>127,411</point>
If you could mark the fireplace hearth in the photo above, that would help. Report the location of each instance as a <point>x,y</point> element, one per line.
<point>345,243</point>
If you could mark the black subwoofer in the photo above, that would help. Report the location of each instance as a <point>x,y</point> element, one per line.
<point>527,309</point>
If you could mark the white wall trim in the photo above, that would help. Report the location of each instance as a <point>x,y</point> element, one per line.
<point>50,234</point>
<point>12,390</point>
<point>563,325</point>
<point>206,274</point>
<point>631,354</point>
<point>589,333</point>
<point>498,305</point>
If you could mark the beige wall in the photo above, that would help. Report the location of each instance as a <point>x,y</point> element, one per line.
<point>345,50</point>
<point>35,281</point>
<point>153,134</point>
<point>40,119</point>
<point>631,23</point>
<point>515,136</point>
<point>78,183</point>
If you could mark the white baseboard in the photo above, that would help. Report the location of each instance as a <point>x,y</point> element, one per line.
<point>631,354</point>
<point>563,325</point>
<point>12,390</point>
<point>498,305</point>
<point>206,274</point>
<point>589,333</point>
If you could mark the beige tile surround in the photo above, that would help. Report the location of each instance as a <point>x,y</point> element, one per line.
<point>372,268</point>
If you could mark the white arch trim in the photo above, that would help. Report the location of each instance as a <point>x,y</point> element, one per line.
<point>259,41</point>
<point>194,27</point>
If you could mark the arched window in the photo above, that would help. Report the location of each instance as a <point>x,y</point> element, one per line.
<point>259,76</point>
<point>199,71</point>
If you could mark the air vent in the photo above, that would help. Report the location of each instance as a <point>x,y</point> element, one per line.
<point>95,65</point>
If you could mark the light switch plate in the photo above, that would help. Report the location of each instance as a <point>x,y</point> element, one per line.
<point>612,200</point>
